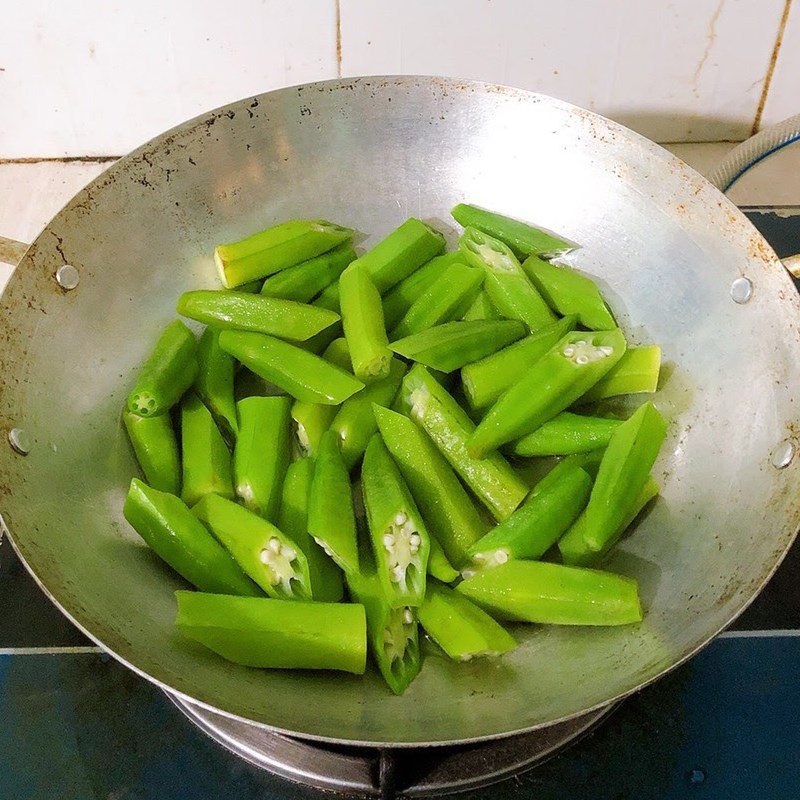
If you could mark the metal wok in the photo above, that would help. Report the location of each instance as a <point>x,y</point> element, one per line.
<point>665,244</point>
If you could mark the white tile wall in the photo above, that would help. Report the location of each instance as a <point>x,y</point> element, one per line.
<point>98,77</point>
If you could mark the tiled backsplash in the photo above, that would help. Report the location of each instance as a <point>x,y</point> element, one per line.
<point>101,76</point>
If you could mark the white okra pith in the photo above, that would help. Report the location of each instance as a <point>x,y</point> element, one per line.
<point>279,560</point>
<point>401,544</point>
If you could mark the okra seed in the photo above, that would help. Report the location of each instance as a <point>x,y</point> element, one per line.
<point>398,572</point>
<point>400,518</point>
<point>581,360</point>
<point>501,556</point>
<point>289,553</point>
<point>264,556</point>
<point>467,574</point>
<point>388,540</point>
<point>274,545</point>
<point>569,351</point>
<point>408,617</point>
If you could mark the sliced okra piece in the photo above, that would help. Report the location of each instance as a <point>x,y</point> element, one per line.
<point>522,238</point>
<point>265,553</point>
<point>331,518</point>
<point>168,372</point>
<point>459,627</point>
<point>507,285</point>
<point>450,515</point>
<point>171,530</point>
<point>362,320</point>
<point>400,297</point>
<point>400,541</point>
<point>328,299</point>
<point>206,458</point>
<point>535,526</point>
<point>299,373</point>
<point>276,248</point>
<point>262,453</point>
<point>214,382</point>
<point>487,379</point>
<point>450,346</point>
<point>156,449</point>
<point>635,373</point>
<point>623,472</point>
<point>325,576</point>
<point>573,547</point>
<point>565,434</point>
<point>551,385</point>
<point>306,280</point>
<point>552,594</point>
<point>439,566</point>
<point>493,481</point>
<point>446,299</point>
<point>569,292</point>
<point>256,312</point>
<point>354,422</point>
<point>276,634</point>
<point>392,631</point>
<point>481,308</point>
<point>400,253</point>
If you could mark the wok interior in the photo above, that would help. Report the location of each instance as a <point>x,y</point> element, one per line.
<point>664,245</point>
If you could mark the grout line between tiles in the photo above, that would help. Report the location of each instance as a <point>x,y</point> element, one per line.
<point>771,68</point>
<point>60,160</point>
<point>338,38</point>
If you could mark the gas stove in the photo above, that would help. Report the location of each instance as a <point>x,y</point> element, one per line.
<point>75,724</point>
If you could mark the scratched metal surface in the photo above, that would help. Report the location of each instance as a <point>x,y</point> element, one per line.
<point>661,240</point>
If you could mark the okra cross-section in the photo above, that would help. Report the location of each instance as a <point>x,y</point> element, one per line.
<point>491,478</point>
<point>256,312</point>
<point>171,530</point>
<point>168,372</point>
<point>331,518</point>
<point>459,627</point>
<point>299,373</point>
<point>399,538</point>
<point>537,591</point>
<point>276,248</point>
<point>265,553</point>
<point>507,285</point>
<point>156,450</point>
<point>548,387</point>
<point>276,634</point>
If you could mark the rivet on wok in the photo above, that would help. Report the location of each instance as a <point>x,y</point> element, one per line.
<point>19,440</point>
<point>782,455</point>
<point>67,277</point>
<point>741,290</point>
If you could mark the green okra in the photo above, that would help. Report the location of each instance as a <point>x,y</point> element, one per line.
<point>206,458</point>
<point>251,287</point>
<point>552,384</point>
<point>446,299</point>
<point>257,313</point>
<point>304,281</point>
<point>329,299</point>
<point>301,374</point>
<point>171,530</point>
<point>492,479</point>
<point>276,634</point>
<point>214,382</point>
<point>569,292</point>
<point>313,419</point>
<point>263,552</point>
<point>636,372</point>
<point>400,541</point>
<point>552,594</point>
<point>573,547</point>
<point>168,372</point>
<point>324,575</point>
<point>623,472</point>
<point>487,379</point>
<point>362,320</point>
<point>276,248</point>
<point>449,514</point>
<point>565,434</point>
<point>331,517</point>
<point>460,627</point>
<point>481,308</point>
<point>392,631</point>
<point>522,238</point>
<point>450,346</point>
<point>439,566</point>
<point>400,253</point>
<point>262,453</point>
<point>354,422</point>
<point>511,291</point>
<point>536,525</point>
<point>156,449</point>
<point>400,297</point>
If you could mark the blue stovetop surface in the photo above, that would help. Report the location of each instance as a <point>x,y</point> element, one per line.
<point>78,726</point>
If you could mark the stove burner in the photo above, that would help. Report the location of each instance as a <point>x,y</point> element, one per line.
<point>387,773</point>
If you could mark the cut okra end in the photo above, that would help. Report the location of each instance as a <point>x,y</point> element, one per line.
<point>399,639</point>
<point>402,542</point>
<point>485,560</point>
<point>143,404</point>
<point>284,574</point>
<point>583,352</point>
